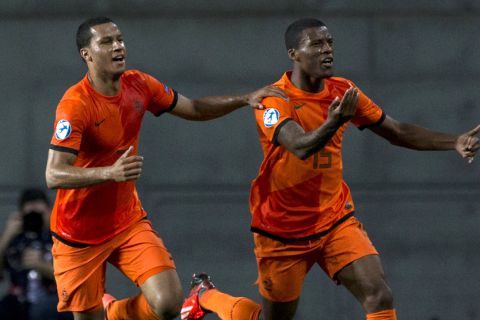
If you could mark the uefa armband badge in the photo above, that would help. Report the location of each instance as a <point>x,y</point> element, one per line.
<point>63,129</point>
<point>270,117</point>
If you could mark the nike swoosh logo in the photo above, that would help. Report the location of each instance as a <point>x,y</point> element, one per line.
<point>298,106</point>
<point>97,123</point>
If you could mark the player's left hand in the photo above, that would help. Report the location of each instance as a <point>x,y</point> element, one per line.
<point>255,98</point>
<point>467,144</point>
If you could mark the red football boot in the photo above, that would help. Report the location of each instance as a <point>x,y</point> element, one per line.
<point>191,309</point>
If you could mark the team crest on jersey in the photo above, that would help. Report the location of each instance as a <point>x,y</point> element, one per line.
<point>270,117</point>
<point>63,129</point>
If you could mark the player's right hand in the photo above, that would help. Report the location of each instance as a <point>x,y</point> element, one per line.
<point>340,111</point>
<point>127,167</point>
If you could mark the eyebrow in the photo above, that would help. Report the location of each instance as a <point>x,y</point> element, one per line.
<point>109,37</point>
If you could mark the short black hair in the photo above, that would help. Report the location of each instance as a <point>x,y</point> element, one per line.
<point>84,34</point>
<point>32,194</point>
<point>295,29</point>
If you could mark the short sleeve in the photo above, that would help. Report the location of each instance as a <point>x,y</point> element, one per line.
<point>70,124</point>
<point>163,99</point>
<point>368,113</point>
<point>270,120</point>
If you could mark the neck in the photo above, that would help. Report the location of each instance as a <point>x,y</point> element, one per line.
<point>306,82</point>
<point>105,85</point>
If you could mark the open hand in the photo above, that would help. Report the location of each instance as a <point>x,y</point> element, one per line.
<point>340,111</point>
<point>255,98</point>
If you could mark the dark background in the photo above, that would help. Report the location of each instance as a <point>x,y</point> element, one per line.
<point>419,60</point>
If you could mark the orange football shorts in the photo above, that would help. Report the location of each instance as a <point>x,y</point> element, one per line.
<point>138,252</point>
<point>282,267</point>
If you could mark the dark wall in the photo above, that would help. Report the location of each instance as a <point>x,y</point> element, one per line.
<point>416,59</point>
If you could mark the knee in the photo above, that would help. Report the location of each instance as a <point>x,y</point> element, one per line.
<point>380,297</point>
<point>166,306</point>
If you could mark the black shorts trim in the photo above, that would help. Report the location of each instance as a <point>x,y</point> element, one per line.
<point>70,243</point>
<point>172,105</point>
<point>379,122</point>
<point>277,130</point>
<point>313,236</point>
<point>63,149</point>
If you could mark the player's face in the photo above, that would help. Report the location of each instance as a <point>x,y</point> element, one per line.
<point>314,54</point>
<point>107,50</point>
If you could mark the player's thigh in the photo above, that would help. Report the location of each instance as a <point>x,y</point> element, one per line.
<point>80,276</point>
<point>280,277</point>
<point>345,244</point>
<point>142,254</point>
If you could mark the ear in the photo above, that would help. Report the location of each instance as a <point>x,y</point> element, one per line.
<point>85,54</point>
<point>292,54</point>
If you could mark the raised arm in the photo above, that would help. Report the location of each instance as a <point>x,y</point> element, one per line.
<point>303,144</point>
<point>418,138</point>
<point>62,174</point>
<point>216,106</point>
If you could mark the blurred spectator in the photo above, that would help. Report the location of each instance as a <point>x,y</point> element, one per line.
<point>26,259</point>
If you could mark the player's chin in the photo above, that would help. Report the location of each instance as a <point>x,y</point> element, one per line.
<point>327,72</point>
<point>324,73</point>
<point>117,72</point>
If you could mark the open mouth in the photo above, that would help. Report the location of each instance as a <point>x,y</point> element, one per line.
<point>327,62</point>
<point>119,58</point>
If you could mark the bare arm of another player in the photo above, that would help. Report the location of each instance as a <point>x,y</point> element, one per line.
<point>216,106</point>
<point>62,174</point>
<point>418,138</point>
<point>304,144</point>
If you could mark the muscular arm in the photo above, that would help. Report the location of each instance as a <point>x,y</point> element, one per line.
<point>62,174</point>
<point>418,138</point>
<point>303,144</point>
<point>216,106</point>
<point>413,137</point>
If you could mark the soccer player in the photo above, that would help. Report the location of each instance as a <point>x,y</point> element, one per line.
<point>93,162</point>
<point>302,210</point>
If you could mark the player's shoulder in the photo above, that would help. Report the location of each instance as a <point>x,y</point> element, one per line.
<point>76,94</point>
<point>137,78</point>
<point>272,101</point>
<point>133,75</point>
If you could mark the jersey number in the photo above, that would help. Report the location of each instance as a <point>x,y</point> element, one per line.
<point>322,159</point>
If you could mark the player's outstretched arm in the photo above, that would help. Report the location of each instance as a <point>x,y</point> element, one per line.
<point>414,137</point>
<point>216,106</point>
<point>303,144</point>
<point>62,174</point>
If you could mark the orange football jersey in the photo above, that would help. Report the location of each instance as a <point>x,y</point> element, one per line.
<point>293,199</point>
<point>98,130</point>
